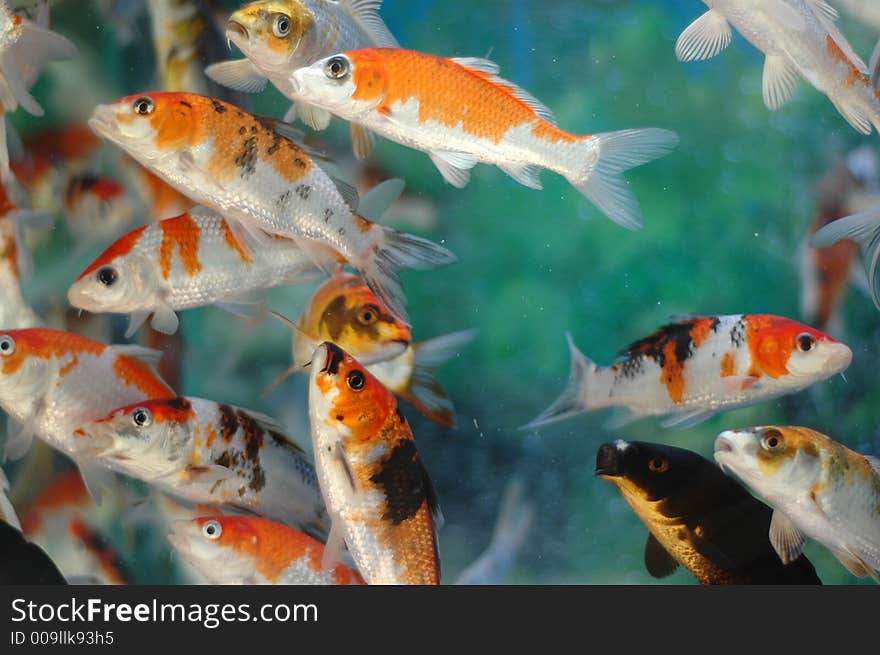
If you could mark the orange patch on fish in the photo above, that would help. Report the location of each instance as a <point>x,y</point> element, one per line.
<point>855,75</point>
<point>235,244</point>
<point>119,248</point>
<point>65,489</point>
<point>184,232</point>
<point>210,435</point>
<point>728,365</point>
<point>135,373</point>
<point>44,343</point>
<point>672,374</point>
<point>771,341</point>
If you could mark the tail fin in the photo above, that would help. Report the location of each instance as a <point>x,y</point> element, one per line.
<point>575,398</point>
<point>392,251</point>
<point>602,181</point>
<point>864,229</point>
<point>424,392</point>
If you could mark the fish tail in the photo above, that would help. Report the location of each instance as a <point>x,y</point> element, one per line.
<point>601,181</point>
<point>578,395</point>
<point>863,229</point>
<point>391,251</point>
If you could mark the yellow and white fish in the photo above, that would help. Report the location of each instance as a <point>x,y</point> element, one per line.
<point>818,488</point>
<point>279,36</point>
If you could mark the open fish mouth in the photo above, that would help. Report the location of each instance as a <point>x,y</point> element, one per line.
<point>103,121</point>
<point>236,33</point>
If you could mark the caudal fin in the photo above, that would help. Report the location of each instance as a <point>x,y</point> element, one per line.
<point>575,398</point>
<point>602,182</point>
<point>392,251</point>
<point>864,229</point>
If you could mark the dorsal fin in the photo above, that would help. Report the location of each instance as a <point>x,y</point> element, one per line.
<point>366,13</point>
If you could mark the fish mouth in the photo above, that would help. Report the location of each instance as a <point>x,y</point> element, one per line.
<point>608,460</point>
<point>332,358</point>
<point>295,81</point>
<point>237,33</point>
<point>840,357</point>
<point>103,121</point>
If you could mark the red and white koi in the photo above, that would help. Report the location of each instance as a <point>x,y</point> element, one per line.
<point>461,113</point>
<point>51,382</point>
<point>381,502</point>
<point>279,36</point>
<point>799,40</point>
<point>696,367</point>
<point>344,311</point>
<point>242,167</point>
<point>211,453</point>
<point>192,260</point>
<point>253,551</point>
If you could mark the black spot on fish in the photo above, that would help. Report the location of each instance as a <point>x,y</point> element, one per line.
<point>253,436</point>
<point>303,191</point>
<point>219,107</point>
<point>341,231</point>
<point>276,143</point>
<point>254,129</point>
<point>328,214</point>
<point>185,104</point>
<point>242,129</point>
<point>400,416</point>
<point>283,199</point>
<point>335,355</point>
<point>246,160</point>
<point>340,417</point>
<point>655,345</point>
<point>180,403</point>
<point>738,333</point>
<point>404,482</point>
<point>299,163</point>
<point>228,423</point>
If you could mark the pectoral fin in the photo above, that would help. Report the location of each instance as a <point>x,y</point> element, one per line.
<point>780,81</point>
<point>785,537</point>
<point>315,117</point>
<point>855,565</point>
<point>19,437</point>
<point>658,561</point>
<point>362,141</point>
<point>238,74</point>
<point>97,479</point>
<point>454,166</point>
<point>704,38</point>
<point>334,546</point>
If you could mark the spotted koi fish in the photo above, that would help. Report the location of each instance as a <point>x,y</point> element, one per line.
<point>97,208</point>
<point>696,367</point>
<point>253,551</point>
<point>818,487</point>
<point>192,260</point>
<point>14,310</point>
<point>242,167</point>
<point>51,382</point>
<point>206,452</point>
<point>279,36</point>
<point>799,40</point>
<point>344,311</point>
<point>381,502</point>
<point>461,113</point>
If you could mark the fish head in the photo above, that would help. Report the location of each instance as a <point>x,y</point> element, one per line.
<point>346,312</point>
<point>147,432</point>
<point>783,348</point>
<point>345,397</point>
<point>269,32</point>
<point>26,369</point>
<point>121,279</point>
<point>347,83</point>
<point>149,126</point>
<point>97,205</point>
<point>217,545</point>
<point>775,462</point>
<point>647,472</point>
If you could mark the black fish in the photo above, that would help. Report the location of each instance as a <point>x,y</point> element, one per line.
<point>23,562</point>
<point>698,517</point>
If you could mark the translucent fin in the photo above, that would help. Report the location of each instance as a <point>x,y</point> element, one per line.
<point>377,200</point>
<point>7,511</point>
<point>362,141</point>
<point>289,131</point>
<point>315,117</point>
<point>348,192</point>
<point>823,10</point>
<point>704,38</point>
<point>478,64</point>
<point>658,561</point>
<point>853,114</point>
<point>334,546</point>
<point>19,437</point>
<point>855,565</point>
<point>454,166</point>
<point>290,114</point>
<point>247,306</point>
<point>366,13</point>
<point>864,229</point>
<point>35,48</point>
<point>602,182</point>
<point>491,68</point>
<point>238,74</point>
<point>875,67</point>
<point>525,174</point>
<point>689,419</point>
<point>785,537</point>
<point>780,81</point>
<point>97,479</point>
<point>135,321</point>
<point>439,350</point>
<point>576,397</point>
<point>147,355</point>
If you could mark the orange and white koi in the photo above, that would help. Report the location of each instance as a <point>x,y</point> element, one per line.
<point>279,36</point>
<point>381,502</point>
<point>51,382</point>
<point>97,208</point>
<point>799,40</point>
<point>344,311</point>
<point>461,113</point>
<point>192,260</point>
<point>207,452</point>
<point>696,367</point>
<point>242,167</point>
<point>14,310</point>
<point>818,488</point>
<point>253,551</point>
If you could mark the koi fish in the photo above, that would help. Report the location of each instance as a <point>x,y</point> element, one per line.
<point>242,167</point>
<point>97,208</point>
<point>381,502</point>
<point>818,488</point>
<point>24,562</point>
<point>51,382</point>
<point>189,261</point>
<point>696,367</point>
<point>207,452</point>
<point>799,40</point>
<point>461,113</point>
<point>279,36</point>
<point>14,310</point>
<point>697,517</point>
<point>344,311</point>
<point>253,551</point>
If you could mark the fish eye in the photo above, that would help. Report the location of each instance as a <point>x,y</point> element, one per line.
<point>142,417</point>
<point>658,465</point>
<point>281,25</point>
<point>772,440</point>
<point>805,342</point>
<point>108,276</point>
<point>336,68</point>
<point>212,529</point>
<point>356,380</point>
<point>368,314</point>
<point>143,106</point>
<point>7,345</point>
